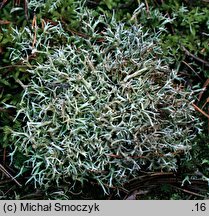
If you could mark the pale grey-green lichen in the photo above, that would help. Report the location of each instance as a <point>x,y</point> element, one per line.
<point>101,107</point>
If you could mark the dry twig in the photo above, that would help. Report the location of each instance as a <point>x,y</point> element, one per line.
<point>9,175</point>
<point>195,57</point>
<point>200,110</point>
<point>187,191</point>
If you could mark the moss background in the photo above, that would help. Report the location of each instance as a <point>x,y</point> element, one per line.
<point>185,43</point>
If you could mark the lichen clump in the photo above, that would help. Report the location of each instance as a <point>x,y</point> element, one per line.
<point>102,107</point>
